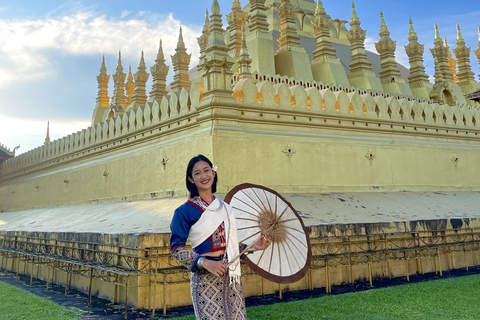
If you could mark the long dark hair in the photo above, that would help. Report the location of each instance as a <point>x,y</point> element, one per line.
<point>192,188</point>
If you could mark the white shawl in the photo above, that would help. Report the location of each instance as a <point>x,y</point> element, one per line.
<point>206,226</point>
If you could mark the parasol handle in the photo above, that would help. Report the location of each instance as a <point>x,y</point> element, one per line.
<point>244,250</point>
<point>251,245</point>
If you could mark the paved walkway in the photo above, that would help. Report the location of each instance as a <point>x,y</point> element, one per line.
<point>154,216</point>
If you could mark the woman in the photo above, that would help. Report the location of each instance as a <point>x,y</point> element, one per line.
<point>209,224</point>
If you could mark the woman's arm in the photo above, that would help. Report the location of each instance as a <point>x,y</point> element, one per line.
<point>180,227</point>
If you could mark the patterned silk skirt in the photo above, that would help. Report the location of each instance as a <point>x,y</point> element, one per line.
<point>215,298</point>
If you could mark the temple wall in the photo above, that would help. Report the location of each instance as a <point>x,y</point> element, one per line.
<point>318,138</point>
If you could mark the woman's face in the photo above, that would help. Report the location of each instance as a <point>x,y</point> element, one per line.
<point>202,176</point>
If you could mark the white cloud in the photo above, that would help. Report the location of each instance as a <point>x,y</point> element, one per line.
<point>370,44</point>
<point>401,56</point>
<point>31,133</point>
<point>24,44</point>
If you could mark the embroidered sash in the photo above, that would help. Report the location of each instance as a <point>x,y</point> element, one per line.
<point>206,226</point>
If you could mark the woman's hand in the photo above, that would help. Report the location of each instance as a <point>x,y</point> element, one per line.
<point>217,268</point>
<point>262,243</point>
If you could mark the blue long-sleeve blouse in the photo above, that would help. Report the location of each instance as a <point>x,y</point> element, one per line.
<point>184,218</point>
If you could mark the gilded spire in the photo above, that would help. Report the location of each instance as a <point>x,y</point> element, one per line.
<point>203,39</point>
<point>452,63</point>
<point>326,67</point>
<point>437,39</point>
<point>206,24</point>
<point>320,10</point>
<point>356,35</point>
<point>47,138</point>
<point>466,78</point>
<point>180,61</point>
<point>288,28</point>
<point>217,64</point>
<point>321,24</point>
<point>442,68</point>
<point>459,34</point>
<point>477,52</point>
<point>159,75</point>
<point>354,20</point>
<point>160,55</point>
<point>418,79</point>
<point>142,66</point>
<point>259,39</point>
<point>102,82</point>
<point>130,76</point>
<point>236,20</point>
<point>119,98</point>
<point>129,85</point>
<point>257,17</point>
<point>361,74</point>
<point>412,35</point>
<point>216,30</point>
<point>291,59</point>
<point>103,68</point>
<point>383,27</point>
<point>389,73</point>
<point>244,61</point>
<point>215,8</point>
<point>181,43</point>
<point>236,5</point>
<point>119,63</point>
<point>141,77</point>
<point>202,43</point>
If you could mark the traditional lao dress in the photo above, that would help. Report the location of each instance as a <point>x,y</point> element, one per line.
<point>209,230</point>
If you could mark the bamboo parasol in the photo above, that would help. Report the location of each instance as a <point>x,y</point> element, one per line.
<point>260,210</point>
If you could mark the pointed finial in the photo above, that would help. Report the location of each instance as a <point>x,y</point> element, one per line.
<point>236,5</point>
<point>130,76</point>
<point>478,33</point>
<point>47,137</point>
<point>160,55</point>
<point>445,42</point>
<point>354,21</point>
<point>206,24</point>
<point>437,34</point>
<point>383,26</point>
<point>215,7</point>
<point>459,34</point>
<point>119,64</point>
<point>244,49</point>
<point>142,65</point>
<point>180,44</point>
<point>320,9</point>
<point>103,68</point>
<point>412,35</point>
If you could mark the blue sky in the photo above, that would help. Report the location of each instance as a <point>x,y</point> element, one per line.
<point>51,51</point>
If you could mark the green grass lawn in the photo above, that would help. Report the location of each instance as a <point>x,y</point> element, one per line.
<point>449,299</point>
<point>452,298</point>
<point>16,304</point>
